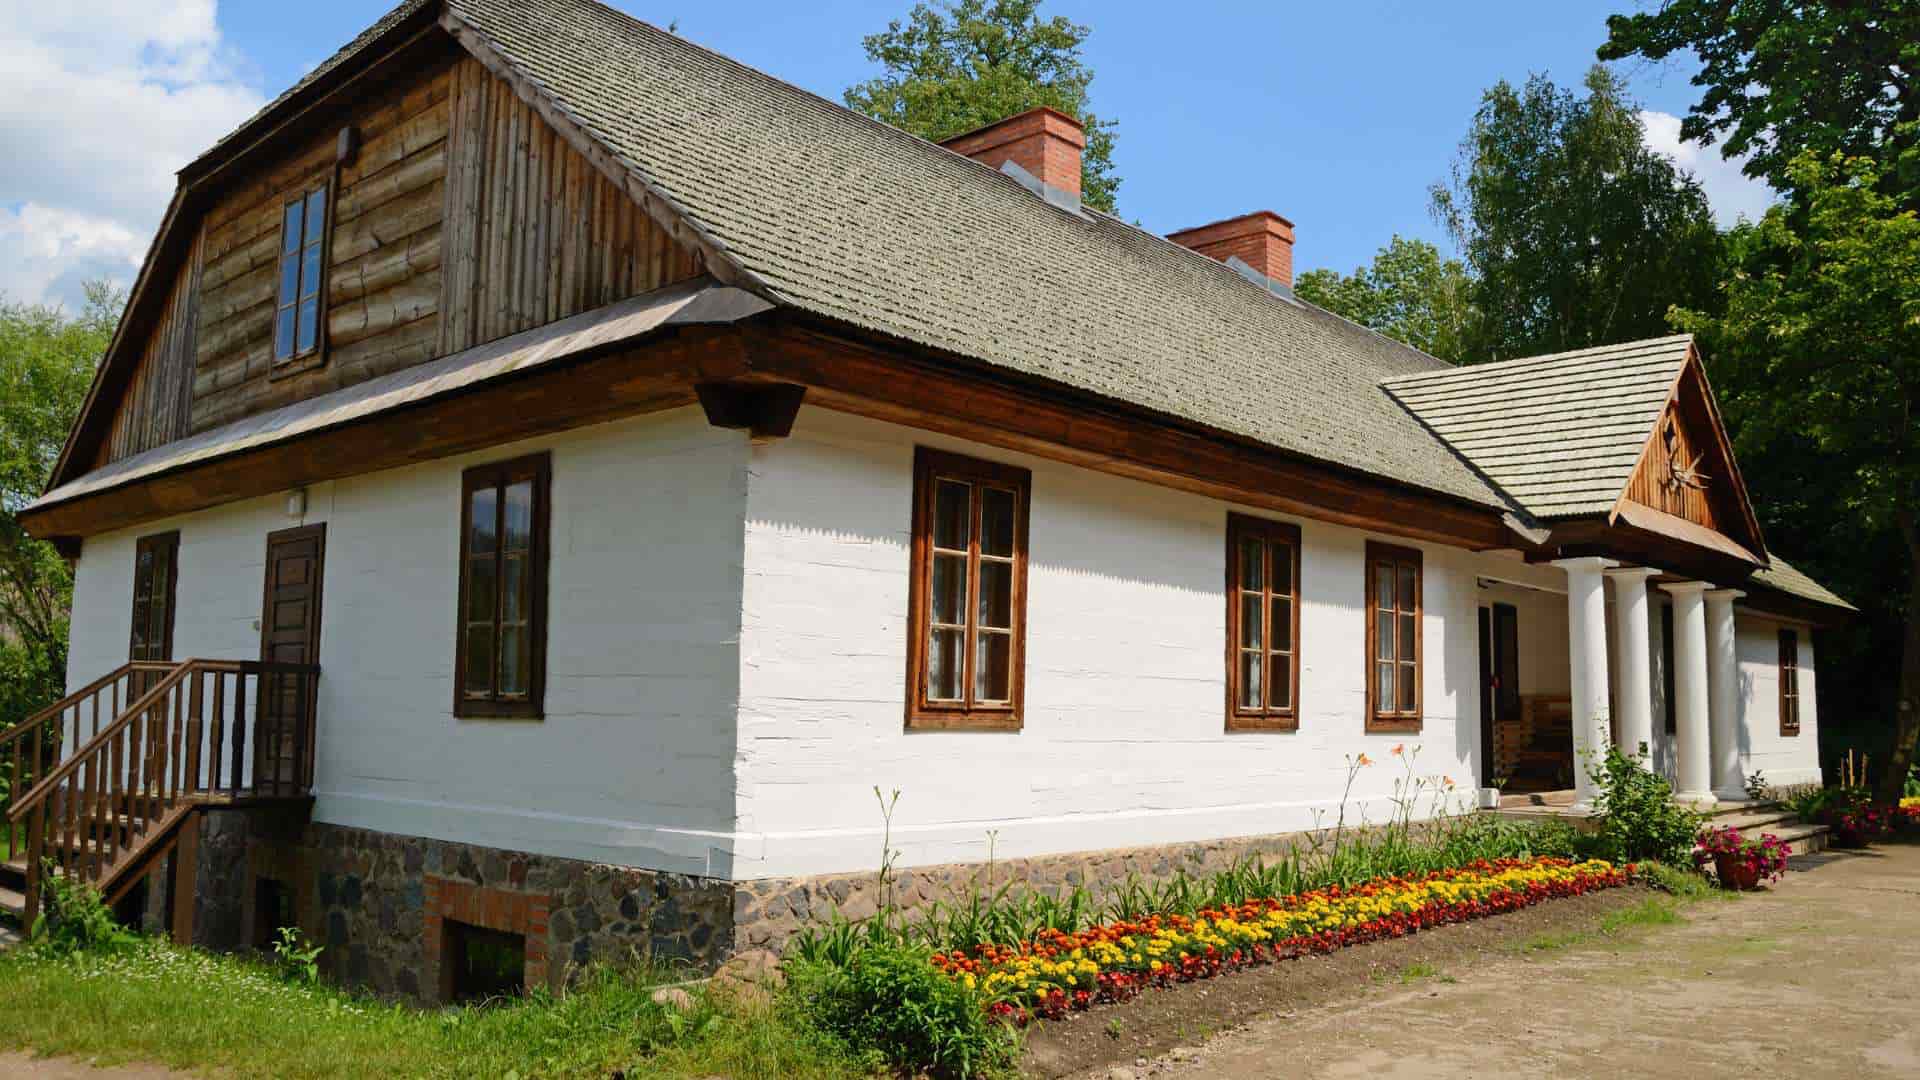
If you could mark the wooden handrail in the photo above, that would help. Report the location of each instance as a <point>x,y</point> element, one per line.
<point>105,811</point>
<point>19,731</point>
<point>178,674</point>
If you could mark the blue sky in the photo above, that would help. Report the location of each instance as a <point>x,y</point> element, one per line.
<point>1338,116</point>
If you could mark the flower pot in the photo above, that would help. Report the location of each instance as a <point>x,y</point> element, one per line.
<point>1736,872</point>
<point>1489,798</point>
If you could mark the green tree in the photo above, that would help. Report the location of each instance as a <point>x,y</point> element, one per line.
<point>952,68</point>
<point>1575,234</point>
<point>1780,77</point>
<point>1821,337</point>
<point>1410,293</point>
<point>47,359</point>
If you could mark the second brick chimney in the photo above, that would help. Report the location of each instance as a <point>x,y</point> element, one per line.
<point>1044,142</point>
<point>1263,240</point>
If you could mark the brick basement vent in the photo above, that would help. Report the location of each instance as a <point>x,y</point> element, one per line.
<point>484,942</point>
<point>482,965</point>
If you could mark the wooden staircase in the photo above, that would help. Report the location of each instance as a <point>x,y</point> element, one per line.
<point>103,801</point>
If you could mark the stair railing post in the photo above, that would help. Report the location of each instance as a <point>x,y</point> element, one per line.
<point>36,852</point>
<point>192,731</point>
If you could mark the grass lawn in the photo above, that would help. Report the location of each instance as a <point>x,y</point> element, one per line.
<point>191,1010</point>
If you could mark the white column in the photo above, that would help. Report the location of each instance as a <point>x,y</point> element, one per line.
<point>1636,660</point>
<point>1723,694</point>
<point>1587,667</point>
<point>1691,740</point>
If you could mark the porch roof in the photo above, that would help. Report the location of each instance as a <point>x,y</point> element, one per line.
<point>1560,434</point>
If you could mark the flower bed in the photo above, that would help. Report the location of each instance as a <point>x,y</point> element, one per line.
<point>1115,961</point>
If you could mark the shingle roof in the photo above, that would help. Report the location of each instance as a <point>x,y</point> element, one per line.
<point>837,214</point>
<point>1560,433</point>
<point>346,52</point>
<point>1787,579</point>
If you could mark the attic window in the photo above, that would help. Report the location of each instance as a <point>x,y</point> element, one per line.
<point>297,315</point>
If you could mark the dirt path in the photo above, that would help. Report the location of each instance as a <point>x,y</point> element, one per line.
<point>1812,979</point>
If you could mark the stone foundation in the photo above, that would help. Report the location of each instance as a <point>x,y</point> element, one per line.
<point>377,902</point>
<point>766,913</point>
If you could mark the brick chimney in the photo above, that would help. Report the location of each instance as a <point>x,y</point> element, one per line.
<point>1263,240</point>
<point>1044,142</point>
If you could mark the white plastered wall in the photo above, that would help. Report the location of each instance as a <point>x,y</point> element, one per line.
<point>1124,741</point>
<point>633,762</point>
<point>1781,759</point>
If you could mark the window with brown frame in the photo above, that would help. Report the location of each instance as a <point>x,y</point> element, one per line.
<point>1393,638</point>
<point>1263,624</point>
<point>968,600</point>
<point>500,659</point>
<point>156,562</point>
<point>301,305</point>
<point>1789,682</point>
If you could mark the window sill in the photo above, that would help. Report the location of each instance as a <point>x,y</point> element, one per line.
<point>940,720</point>
<point>1394,725</point>
<point>1261,723</point>
<point>296,365</point>
<point>488,710</point>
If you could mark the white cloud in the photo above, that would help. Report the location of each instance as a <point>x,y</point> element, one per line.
<point>49,254</point>
<point>1731,193</point>
<point>101,101</point>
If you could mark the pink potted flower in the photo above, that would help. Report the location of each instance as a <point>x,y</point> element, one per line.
<point>1740,863</point>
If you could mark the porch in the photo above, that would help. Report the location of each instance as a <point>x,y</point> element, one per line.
<point>107,781</point>
<point>1579,653</point>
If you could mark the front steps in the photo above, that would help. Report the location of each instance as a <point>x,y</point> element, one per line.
<point>13,893</point>
<point>1752,819</point>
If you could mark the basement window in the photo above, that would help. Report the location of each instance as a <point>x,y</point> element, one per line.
<point>483,965</point>
<point>272,909</point>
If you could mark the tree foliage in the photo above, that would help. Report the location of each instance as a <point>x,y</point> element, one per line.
<point>952,68</point>
<point>47,359</point>
<point>1780,77</point>
<point>1575,233</point>
<point>1410,293</point>
<point>1820,340</point>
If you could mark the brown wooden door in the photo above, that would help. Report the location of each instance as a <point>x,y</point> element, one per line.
<point>289,634</point>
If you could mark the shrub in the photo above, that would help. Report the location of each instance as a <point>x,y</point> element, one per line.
<point>1639,820</point>
<point>73,918</point>
<point>889,998</point>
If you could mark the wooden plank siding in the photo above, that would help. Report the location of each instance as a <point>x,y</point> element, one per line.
<point>382,285</point>
<point>157,402</point>
<point>535,232</point>
<point>1653,482</point>
<point>461,217</point>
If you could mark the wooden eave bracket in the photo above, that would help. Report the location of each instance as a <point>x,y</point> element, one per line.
<point>764,409</point>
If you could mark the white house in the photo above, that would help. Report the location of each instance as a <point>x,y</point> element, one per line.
<point>550,475</point>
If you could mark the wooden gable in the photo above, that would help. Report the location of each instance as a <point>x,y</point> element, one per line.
<point>1687,469</point>
<point>456,215</point>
